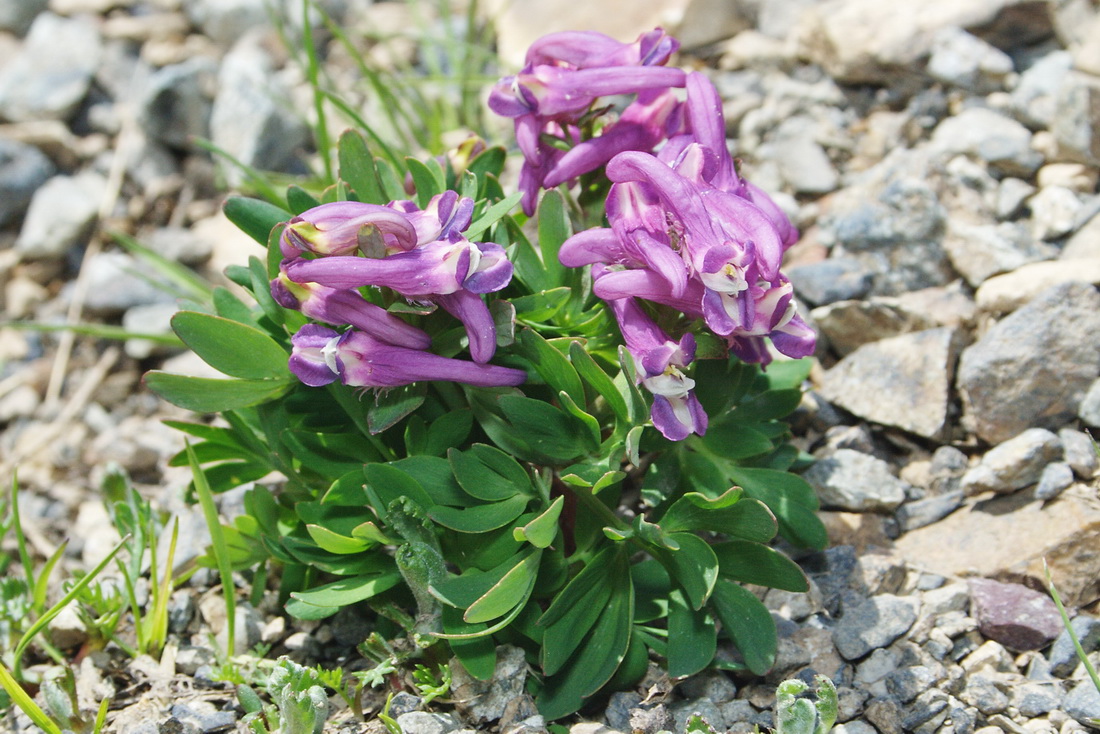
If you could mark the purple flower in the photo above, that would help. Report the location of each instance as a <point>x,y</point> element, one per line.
<point>321,355</point>
<point>339,307</point>
<point>676,411</point>
<point>343,227</point>
<point>564,75</point>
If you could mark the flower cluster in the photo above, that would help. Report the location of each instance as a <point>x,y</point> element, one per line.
<point>419,254</point>
<point>687,232</point>
<point>556,91</point>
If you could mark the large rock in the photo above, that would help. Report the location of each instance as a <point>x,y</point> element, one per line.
<point>16,17</point>
<point>1008,537</point>
<point>848,325</point>
<point>1076,124</point>
<point>176,106</point>
<point>52,73</point>
<point>990,136</point>
<point>875,42</point>
<point>979,251</point>
<point>1012,614</point>
<point>854,481</point>
<point>1007,292</point>
<point>23,168</point>
<point>250,119</point>
<point>904,381</point>
<point>892,222</point>
<point>60,214</point>
<point>1014,464</point>
<point>1032,368</point>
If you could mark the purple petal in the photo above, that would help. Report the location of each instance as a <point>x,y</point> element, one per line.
<point>493,271</point>
<point>591,246</point>
<point>369,363</point>
<point>475,316</point>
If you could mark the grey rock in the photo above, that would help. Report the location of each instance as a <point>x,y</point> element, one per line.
<point>884,714</point>
<point>1090,405</point>
<point>966,61</point>
<point>954,597</point>
<point>190,658</point>
<point>926,713</point>
<point>831,280</point>
<point>904,381</point>
<point>1054,212</point>
<point>23,169</point>
<point>181,610</point>
<point>180,245</point>
<point>908,683</point>
<point>52,73</point>
<point>1079,452</point>
<point>1035,699</point>
<point>1084,244</point>
<point>17,17</point>
<point>153,167</point>
<point>1076,123</point>
<point>737,712</point>
<point>983,694</point>
<point>684,710</point>
<point>422,722</point>
<point>1055,478</point>
<point>1082,702</point>
<point>854,727</point>
<point>60,214</point>
<point>118,281</point>
<point>1033,367</point>
<point>176,105</point>
<point>248,120</point>
<point>978,251</point>
<point>1033,98</point>
<point>1011,195</point>
<point>225,21</point>
<point>203,715</point>
<point>918,513</point>
<point>851,324</point>
<point>652,719</point>
<point>712,685</point>
<point>1063,653</point>
<point>1012,614</point>
<point>992,137</point>
<point>1009,291</point>
<point>152,318</point>
<point>873,623</point>
<point>619,707</point>
<point>484,701</point>
<point>803,163</point>
<point>895,232</point>
<point>856,482</point>
<point>1014,464</point>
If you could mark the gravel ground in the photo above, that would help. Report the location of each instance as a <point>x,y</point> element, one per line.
<point>942,161</point>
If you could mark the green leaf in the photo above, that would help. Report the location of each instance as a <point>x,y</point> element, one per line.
<point>427,179</point>
<point>334,542</point>
<point>231,347</point>
<point>548,432</point>
<point>254,217</point>
<point>299,200</point>
<point>210,395</point>
<point>229,306</point>
<point>790,498</point>
<point>513,589</point>
<point>551,365</point>
<point>489,161</point>
<point>448,431</point>
<point>347,591</point>
<point>754,563</point>
<point>541,531</point>
<point>731,514</point>
<point>748,623</point>
<point>390,406</point>
<point>357,168</point>
<point>554,229</point>
<point>492,215</point>
<point>600,381</point>
<point>769,405</point>
<point>477,655</point>
<point>694,566</point>
<point>692,637</point>
<point>435,477</point>
<point>542,305</point>
<point>603,651</point>
<point>786,374</point>
<point>562,638</point>
<point>489,474</point>
<point>480,518</point>
<point>462,591</point>
<point>735,440</point>
<point>388,482</point>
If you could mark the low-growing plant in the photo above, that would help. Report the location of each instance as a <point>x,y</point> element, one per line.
<point>299,703</point>
<point>527,429</point>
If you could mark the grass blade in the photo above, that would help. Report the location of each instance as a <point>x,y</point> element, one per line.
<point>21,699</point>
<point>220,547</point>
